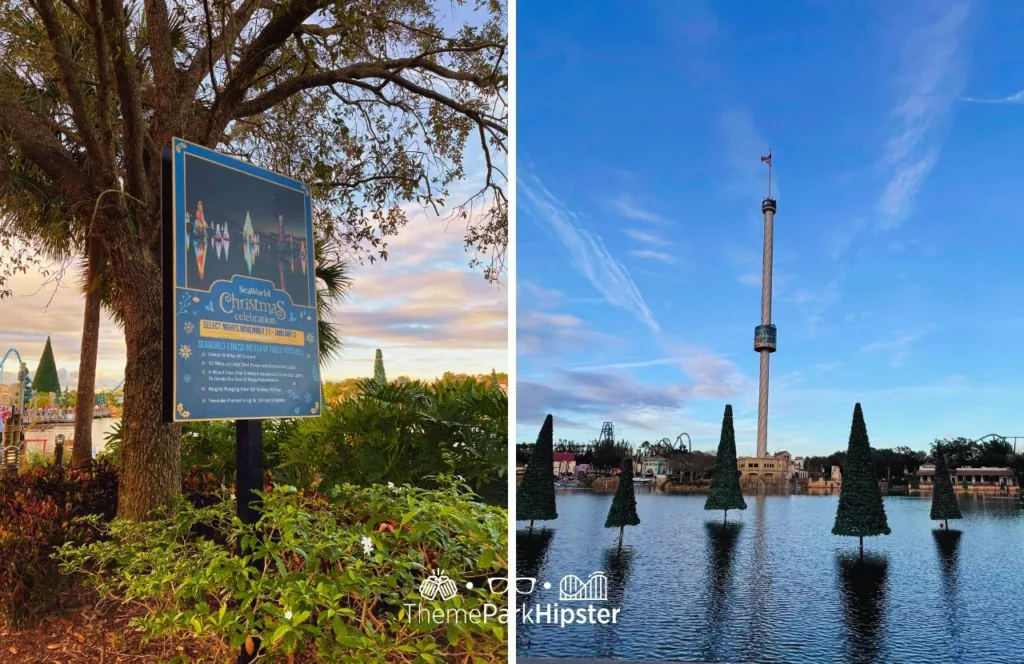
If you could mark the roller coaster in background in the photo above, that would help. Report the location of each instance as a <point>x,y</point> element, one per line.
<point>104,399</point>
<point>608,436</point>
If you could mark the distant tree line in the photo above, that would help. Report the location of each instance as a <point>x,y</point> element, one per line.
<point>898,464</point>
<point>902,463</point>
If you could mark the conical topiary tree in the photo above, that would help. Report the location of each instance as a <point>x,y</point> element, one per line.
<point>944,503</point>
<point>378,368</point>
<point>623,510</point>
<point>46,380</point>
<point>535,496</point>
<point>725,483</point>
<point>861,512</point>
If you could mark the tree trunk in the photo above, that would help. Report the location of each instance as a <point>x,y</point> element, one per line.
<point>531,527</point>
<point>151,452</point>
<point>621,530</point>
<point>862,548</point>
<point>725,517</point>
<point>81,454</point>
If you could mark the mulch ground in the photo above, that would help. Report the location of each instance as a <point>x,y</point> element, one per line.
<point>95,632</point>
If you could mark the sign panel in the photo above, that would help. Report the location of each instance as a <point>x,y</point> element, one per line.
<point>242,302</point>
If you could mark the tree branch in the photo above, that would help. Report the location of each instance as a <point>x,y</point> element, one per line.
<point>131,105</point>
<point>354,75</point>
<point>35,140</point>
<point>158,34</point>
<point>66,65</point>
<point>255,55</point>
<point>221,46</point>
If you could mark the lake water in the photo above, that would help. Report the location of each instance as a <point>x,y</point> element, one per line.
<point>37,439</point>
<point>777,586</point>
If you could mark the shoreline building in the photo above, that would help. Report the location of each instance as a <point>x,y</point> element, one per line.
<point>972,477</point>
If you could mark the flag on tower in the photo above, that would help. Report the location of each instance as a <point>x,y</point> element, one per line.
<point>767,159</point>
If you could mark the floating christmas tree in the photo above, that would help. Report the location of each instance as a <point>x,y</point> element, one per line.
<point>861,512</point>
<point>535,496</point>
<point>725,491</point>
<point>944,503</point>
<point>623,510</point>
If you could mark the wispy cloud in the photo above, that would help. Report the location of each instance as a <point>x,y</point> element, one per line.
<point>1015,98</point>
<point>587,252</point>
<point>898,349</point>
<point>630,209</point>
<point>931,71</point>
<point>646,238</point>
<point>659,256</point>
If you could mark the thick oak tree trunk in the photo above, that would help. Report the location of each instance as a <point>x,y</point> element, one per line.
<point>81,454</point>
<point>151,453</point>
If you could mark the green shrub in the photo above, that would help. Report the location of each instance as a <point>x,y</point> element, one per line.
<point>405,433</point>
<point>37,515</point>
<point>317,589</point>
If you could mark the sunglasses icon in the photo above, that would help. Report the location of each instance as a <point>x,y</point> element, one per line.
<point>524,585</point>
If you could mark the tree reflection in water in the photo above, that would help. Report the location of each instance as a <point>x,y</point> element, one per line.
<point>722,540</point>
<point>863,584</point>
<point>532,550</point>
<point>946,544</point>
<point>617,565</point>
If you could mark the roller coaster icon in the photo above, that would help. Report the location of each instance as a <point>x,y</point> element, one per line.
<point>574,589</point>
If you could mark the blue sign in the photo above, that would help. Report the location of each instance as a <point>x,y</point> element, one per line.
<point>244,338</point>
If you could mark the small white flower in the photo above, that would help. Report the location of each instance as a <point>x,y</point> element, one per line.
<point>461,478</point>
<point>391,485</point>
<point>287,615</point>
<point>367,545</point>
<point>232,495</point>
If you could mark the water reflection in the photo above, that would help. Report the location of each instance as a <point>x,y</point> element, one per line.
<point>947,542</point>
<point>693,590</point>
<point>863,582</point>
<point>760,586</point>
<point>532,548</point>
<point>618,563</point>
<point>721,541</point>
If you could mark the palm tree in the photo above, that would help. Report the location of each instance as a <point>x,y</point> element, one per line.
<point>332,287</point>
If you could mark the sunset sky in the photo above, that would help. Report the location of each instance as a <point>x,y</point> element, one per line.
<point>423,307</point>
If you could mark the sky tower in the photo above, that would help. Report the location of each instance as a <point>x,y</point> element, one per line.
<point>765,333</point>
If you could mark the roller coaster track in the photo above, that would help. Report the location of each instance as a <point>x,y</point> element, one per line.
<point>4,359</point>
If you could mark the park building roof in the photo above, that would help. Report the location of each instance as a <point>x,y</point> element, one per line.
<point>929,469</point>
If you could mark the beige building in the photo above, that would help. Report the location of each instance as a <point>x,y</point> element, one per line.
<point>972,476</point>
<point>775,468</point>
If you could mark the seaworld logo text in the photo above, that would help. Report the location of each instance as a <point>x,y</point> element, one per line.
<point>229,304</point>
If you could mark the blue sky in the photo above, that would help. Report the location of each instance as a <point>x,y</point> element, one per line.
<point>896,132</point>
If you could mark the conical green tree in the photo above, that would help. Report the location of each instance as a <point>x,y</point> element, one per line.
<point>861,512</point>
<point>378,368</point>
<point>725,483</point>
<point>623,510</point>
<point>944,503</point>
<point>535,496</point>
<point>46,379</point>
